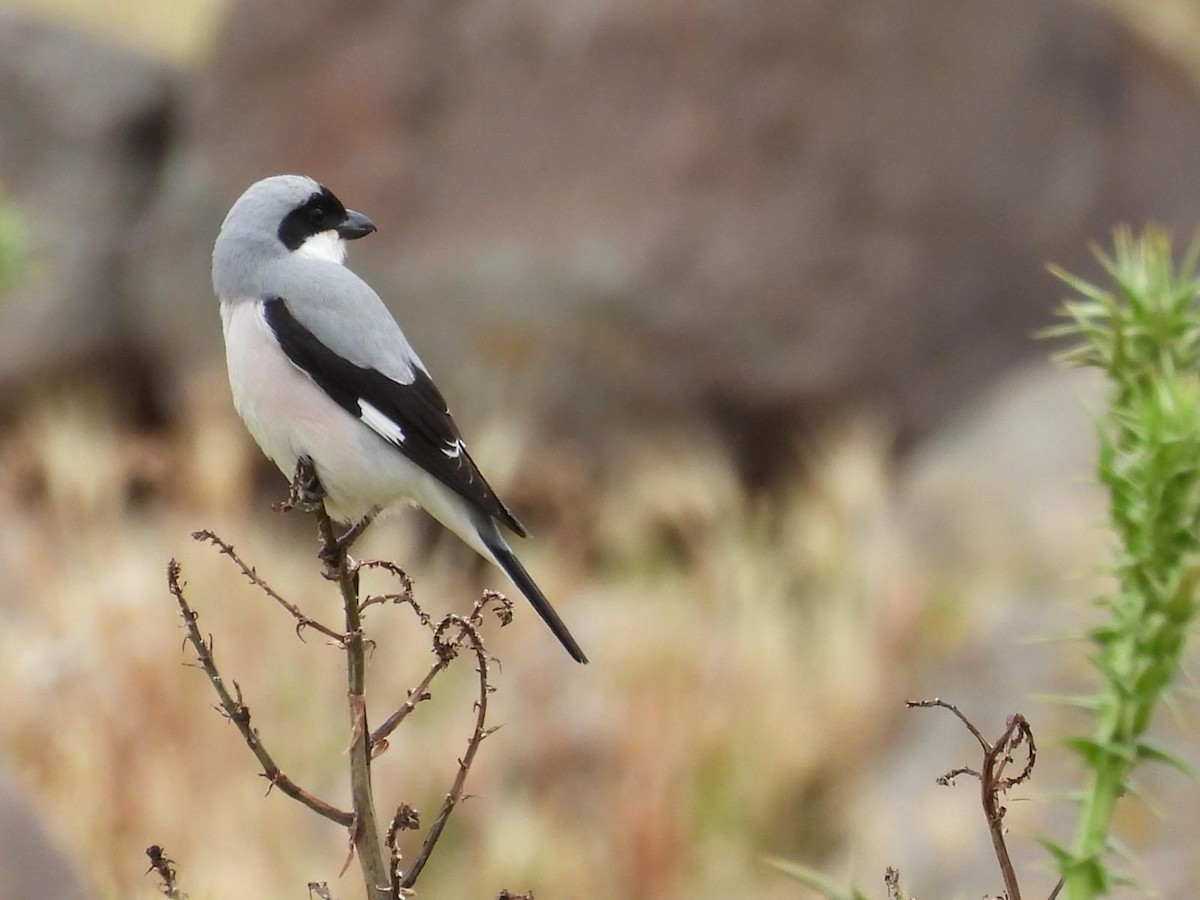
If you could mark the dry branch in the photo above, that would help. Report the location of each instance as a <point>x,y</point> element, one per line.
<point>468,631</point>
<point>383,877</point>
<point>444,653</point>
<point>161,864</point>
<point>238,713</point>
<point>302,621</point>
<point>997,756</point>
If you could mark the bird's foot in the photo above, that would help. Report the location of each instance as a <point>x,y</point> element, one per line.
<point>331,554</point>
<point>306,493</point>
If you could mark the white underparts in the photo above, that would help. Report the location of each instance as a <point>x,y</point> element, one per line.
<point>325,245</point>
<point>380,423</point>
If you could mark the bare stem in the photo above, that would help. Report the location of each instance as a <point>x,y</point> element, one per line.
<point>237,712</point>
<point>997,755</point>
<point>366,838</point>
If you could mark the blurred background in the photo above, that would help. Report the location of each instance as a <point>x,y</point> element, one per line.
<point>735,303</point>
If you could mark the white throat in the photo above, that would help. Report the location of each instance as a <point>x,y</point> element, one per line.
<point>325,245</point>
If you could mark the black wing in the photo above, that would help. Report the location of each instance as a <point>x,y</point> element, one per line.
<point>411,417</point>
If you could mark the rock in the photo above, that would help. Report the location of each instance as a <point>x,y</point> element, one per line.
<point>752,213</point>
<point>616,215</point>
<point>1006,487</point>
<point>83,132</point>
<point>32,865</point>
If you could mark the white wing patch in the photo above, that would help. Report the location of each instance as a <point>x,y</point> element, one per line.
<point>380,423</point>
<point>453,451</point>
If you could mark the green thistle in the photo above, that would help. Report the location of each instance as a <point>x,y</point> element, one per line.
<point>1144,333</point>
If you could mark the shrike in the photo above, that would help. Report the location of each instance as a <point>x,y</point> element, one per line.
<point>320,369</point>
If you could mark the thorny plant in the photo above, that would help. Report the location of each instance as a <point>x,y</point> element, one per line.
<point>385,873</point>
<point>1142,330</point>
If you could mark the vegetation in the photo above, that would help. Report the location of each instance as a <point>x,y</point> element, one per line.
<point>12,245</point>
<point>1143,332</point>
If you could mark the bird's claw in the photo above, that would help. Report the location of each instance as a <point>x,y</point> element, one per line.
<point>309,496</point>
<point>307,493</point>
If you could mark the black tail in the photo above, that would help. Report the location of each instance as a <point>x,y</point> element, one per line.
<point>513,569</point>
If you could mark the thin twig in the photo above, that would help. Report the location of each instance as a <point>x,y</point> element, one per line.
<point>420,693</point>
<point>481,731</point>
<point>1020,733</point>
<point>237,712</point>
<point>302,621</point>
<point>404,596</point>
<point>405,819</point>
<point>891,880</point>
<point>165,867</point>
<point>947,780</point>
<point>997,756</point>
<point>417,695</point>
<point>938,702</point>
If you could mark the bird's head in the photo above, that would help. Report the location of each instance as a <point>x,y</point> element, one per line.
<point>298,215</point>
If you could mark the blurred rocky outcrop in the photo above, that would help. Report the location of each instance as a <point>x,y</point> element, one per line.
<point>748,214</point>
<point>84,129</point>
<point>1006,486</point>
<point>759,210</point>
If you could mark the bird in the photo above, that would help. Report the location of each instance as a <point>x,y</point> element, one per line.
<point>320,371</point>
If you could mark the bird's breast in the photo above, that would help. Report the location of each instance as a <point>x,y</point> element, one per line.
<point>290,416</point>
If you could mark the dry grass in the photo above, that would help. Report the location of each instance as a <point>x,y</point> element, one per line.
<point>750,656</point>
<point>737,648</point>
